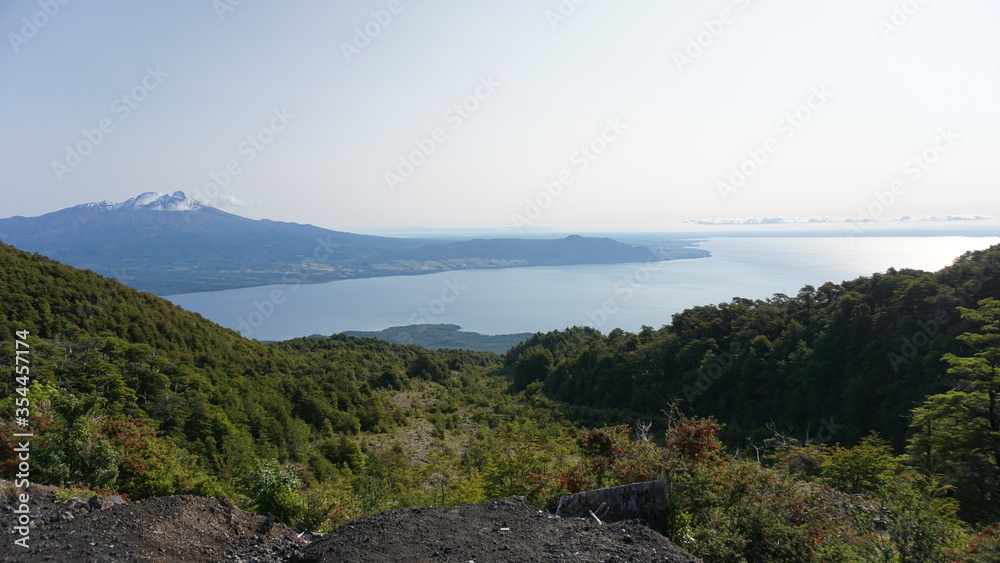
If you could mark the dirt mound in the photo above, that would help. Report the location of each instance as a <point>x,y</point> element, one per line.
<point>174,528</point>
<point>505,530</point>
<point>189,528</point>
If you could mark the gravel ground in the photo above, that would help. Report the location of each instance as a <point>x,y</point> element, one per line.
<point>504,530</point>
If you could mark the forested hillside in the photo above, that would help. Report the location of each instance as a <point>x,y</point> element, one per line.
<point>211,389</point>
<point>130,377</point>
<point>831,364</point>
<point>863,352</point>
<point>858,420</point>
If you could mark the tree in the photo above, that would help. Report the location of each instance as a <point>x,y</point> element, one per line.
<point>957,433</point>
<point>343,452</point>
<point>428,367</point>
<point>532,366</point>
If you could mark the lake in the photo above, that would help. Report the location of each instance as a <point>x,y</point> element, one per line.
<point>548,298</point>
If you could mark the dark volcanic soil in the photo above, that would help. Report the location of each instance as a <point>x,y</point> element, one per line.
<point>174,528</point>
<point>504,530</point>
<point>188,528</point>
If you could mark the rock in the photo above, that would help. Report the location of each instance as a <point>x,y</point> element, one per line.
<point>104,503</point>
<point>75,503</point>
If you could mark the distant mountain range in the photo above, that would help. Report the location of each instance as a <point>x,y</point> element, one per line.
<point>170,243</point>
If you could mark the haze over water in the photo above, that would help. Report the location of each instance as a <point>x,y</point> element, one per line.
<point>536,299</point>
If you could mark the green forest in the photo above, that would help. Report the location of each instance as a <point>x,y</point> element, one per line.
<point>857,421</point>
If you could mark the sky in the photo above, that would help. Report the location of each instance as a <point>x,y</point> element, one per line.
<point>370,116</point>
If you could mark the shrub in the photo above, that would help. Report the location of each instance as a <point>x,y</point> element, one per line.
<point>868,467</point>
<point>272,489</point>
<point>695,439</point>
<point>985,546</point>
<point>73,450</point>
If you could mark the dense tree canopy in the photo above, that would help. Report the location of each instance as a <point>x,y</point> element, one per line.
<point>833,362</point>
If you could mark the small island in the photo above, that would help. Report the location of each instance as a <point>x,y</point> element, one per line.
<point>445,336</point>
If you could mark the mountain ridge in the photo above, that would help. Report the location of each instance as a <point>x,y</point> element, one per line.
<point>170,244</point>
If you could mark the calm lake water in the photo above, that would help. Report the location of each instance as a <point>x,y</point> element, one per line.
<point>547,298</point>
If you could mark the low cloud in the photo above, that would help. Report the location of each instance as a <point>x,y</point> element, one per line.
<point>230,201</point>
<point>804,220</point>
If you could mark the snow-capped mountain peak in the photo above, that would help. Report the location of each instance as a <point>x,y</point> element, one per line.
<point>158,201</point>
<point>102,205</point>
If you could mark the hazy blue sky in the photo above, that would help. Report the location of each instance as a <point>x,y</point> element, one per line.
<point>311,104</point>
